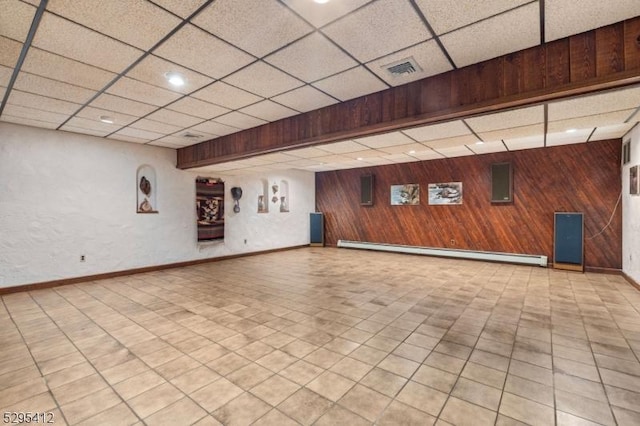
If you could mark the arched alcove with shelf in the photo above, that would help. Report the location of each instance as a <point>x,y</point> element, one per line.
<point>285,201</point>
<point>263,196</point>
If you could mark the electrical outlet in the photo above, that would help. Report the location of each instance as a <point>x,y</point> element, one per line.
<point>82,258</point>
<point>453,242</point>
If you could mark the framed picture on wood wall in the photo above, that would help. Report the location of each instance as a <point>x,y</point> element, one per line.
<point>634,181</point>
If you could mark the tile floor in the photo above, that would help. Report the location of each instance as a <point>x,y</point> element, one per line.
<point>327,336</point>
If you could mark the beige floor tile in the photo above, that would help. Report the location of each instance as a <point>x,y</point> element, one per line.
<point>228,363</point>
<point>399,366</point>
<point>338,415</point>
<point>477,393</point>
<point>531,372</point>
<point>243,410</point>
<point>566,419</point>
<point>275,389</point>
<point>216,394</point>
<point>623,398</point>
<point>299,348</point>
<point>530,390</point>
<point>118,414</point>
<point>583,356</point>
<point>576,385</point>
<point>330,385</point>
<point>301,372</point>
<point>195,379</point>
<point>351,368</point>
<point>596,411</point>
<point>485,375</point>
<point>423,398</point>
<point>574,368</point>
<point>453,349</point>
<point>358,336</point>
<point>398,413</point>
<point>459,412</point>
<point>90,405</point>
<point>155,399</point>
<point>341,346</point>
<point>79,389</point>
<point>177,366</point>
<point>275,418</point>
<point>249,376</point>
<point>22,391</point>
<point>365,402</point>
<point>412,352</point>
<point>384,382</point>
<point>323,358</point>
<point>626,417</point>
<point>305,406</point>
<point>136,385</point>
<point>435,378</point>
<point>278,339</point>
<point>621,380</point>
<point>276,360</point>
<point>488,359</point>
<point>445,362</point>
<point>526,410</point>
<point>124,371</point>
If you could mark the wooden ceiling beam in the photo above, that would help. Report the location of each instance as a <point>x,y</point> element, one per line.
<point>601,59</point>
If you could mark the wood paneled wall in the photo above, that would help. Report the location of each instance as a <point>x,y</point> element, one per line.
<point>583,177</point>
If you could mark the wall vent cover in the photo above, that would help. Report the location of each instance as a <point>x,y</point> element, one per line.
<point>402,67</point>
<point>190,135</point>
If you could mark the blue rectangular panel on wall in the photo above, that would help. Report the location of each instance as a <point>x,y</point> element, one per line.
<point>317,229</point>
<point>568,238</point>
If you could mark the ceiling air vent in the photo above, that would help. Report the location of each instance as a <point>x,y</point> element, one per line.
<point>190,135</point>
<point>402,67</point>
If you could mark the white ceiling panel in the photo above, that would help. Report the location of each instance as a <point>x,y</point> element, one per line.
<point>28,121</point>
<point>595,104</point>
<point>385,140</point>
<point>605,119</point>
<point>566,17</point>
<point>278,157</point>
<point>30,100</point>
<point>351,84</point>
<point>53,89</point>
<point>508,119</point>
<point>361,155</point>
<point>59,68</point>
<point>214,128</point>
<point>135,22</point>
<point>411,149</point>
<point>152,70</point>
<point>16,24</point>
<point>529,142</point>
<point>119,119</point>
<point>268,110</point>
<point>172,141</point>
<point>566,138</point>
<point>456,141</point>
<point>321,14</point>
<point>137,133</point>
<point>310,152</point>
<point>427,55</point>
<point>222,94</point>
<point>35,114</point>
<point>174,118</point>
<point>81,130</point>
<point>393,25</point>
<point>239,120</point>
<point>445,15</point>
<point>57,35</point>
<point>243,24</point>
<point>611,132</point>
<point>155,126</point>
<point>142,92</point>
<point>127,138</point>
<point>342,147</point>
<point>400,158</point>
<point>93,125</point>
<point>487,147</point>
<point>312,58</point>
<point>455,151</point>
<point>305,98</point>
<point>9,52</point>
<point>119,104</point>
<point>506,33</point>
<point>197,108</point>
<point>5,75</point>
<point>438,131</point>
<point>263,79</point>
<point>303,162</point>
<point>182,8</point>
<point>216,58</point>
<point>512,133</point>
<point>427,155</point>
<point>377,161</point>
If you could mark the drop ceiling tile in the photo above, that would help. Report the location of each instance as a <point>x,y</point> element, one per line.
<point>119,104</point>
<point>368,153</point>
<point>456,151</point>
<point>126,138</point>
<point>342,147</point>
<point>80,130</point>
<point>427,55</point>
<point>411,149</point>
<point>564,138</point>
<point>528,142</point>
<point>197,108</point>
<point>312,58</point>
<point>456,141</point>
<point>191,136</point>
<point>174,118</point>
<point>611,132</point>
<point>28,122</point>
<point>595,104</point>
<point>393,25</point>
<point>351,84</point>
<point>166,143</point>
<point>15,19</point>
<point>506,33</point>
<point>379,161</point>
<point>604,119</point>
<point>512,133</point>
<point>437,131</point>
<point>182,8</point>
<point>268,110</point>
<point>321,14</point>
<point>400,158</point>
<point>427,155</point>
<point>180,47</point>
<point>57,35</point>
<point>214,128</point>
<point>155,126</point>
<point>508,119</point>
<point>445,15</point>
<point>136,22</point>
<point>230,97</point>
<point>137,133</point>
<point>243,24</point>
<point>263,79</point>
<point>333,159</point>
<point>9,52</point>
<point>35,114</point>
<point>67,70</point>
<point>303,162</point>
<point>277,157</point>
<point>488,147</point>
<point>53,89</point>
<point>567,17</point>
<point>152,70</point>
<point>305,98</point>
<point>5,75</point>
<point>384,140</point>
<point>119,119</point>
<point>93,124</point>
<point>42,102</point>
<point>142,92</point>
<point>239,120</point>
<point>310,152</point>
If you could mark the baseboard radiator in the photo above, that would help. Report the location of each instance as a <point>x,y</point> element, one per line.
<point>525,259</point>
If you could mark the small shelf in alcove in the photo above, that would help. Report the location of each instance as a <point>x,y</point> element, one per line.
<point>151,212</point>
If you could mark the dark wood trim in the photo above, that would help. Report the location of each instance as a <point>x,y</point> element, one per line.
<point>107,275</point>
<point>599,270</point>
<point>601,59</point>
<point>631,281</point>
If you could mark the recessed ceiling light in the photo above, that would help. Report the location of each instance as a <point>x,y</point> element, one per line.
<point>413,151</point>
<point>359,158</point>
<point>479,143</point>
<point>321,1</point>
<point>175,78</point>
<point>106,119</point>
<point>571,130</point>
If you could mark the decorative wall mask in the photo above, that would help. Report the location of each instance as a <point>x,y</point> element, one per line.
<point>236,194</point>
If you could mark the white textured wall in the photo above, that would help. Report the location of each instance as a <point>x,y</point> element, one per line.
<point>63,195</point>
<point>631,214</point>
